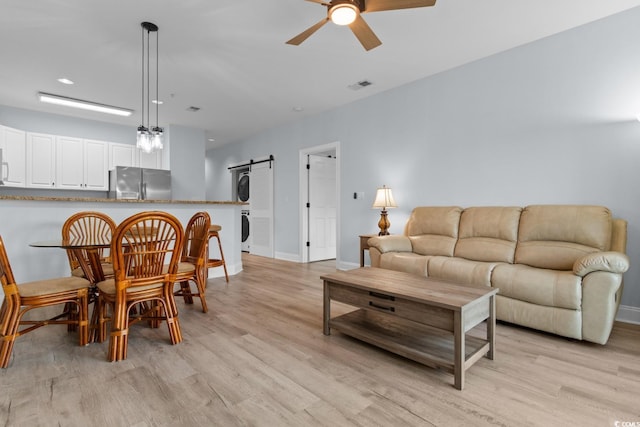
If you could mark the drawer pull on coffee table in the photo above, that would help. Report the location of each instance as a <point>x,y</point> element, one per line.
<point>427,321</point>
<point>382,296</point>
<point>381,307</point>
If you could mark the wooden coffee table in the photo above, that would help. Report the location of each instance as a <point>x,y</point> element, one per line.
<point>423,319</point>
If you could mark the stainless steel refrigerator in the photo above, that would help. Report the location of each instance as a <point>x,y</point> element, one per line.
<point>139,183</point>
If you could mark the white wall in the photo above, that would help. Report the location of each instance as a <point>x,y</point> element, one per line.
<point>549,122</point>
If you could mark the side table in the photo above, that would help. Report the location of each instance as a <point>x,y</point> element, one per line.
<point>364,246</point>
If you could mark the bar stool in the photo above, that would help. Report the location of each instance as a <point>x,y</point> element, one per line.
<point>217,262</point>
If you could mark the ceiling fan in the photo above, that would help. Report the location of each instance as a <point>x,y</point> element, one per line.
<point>347,12</point>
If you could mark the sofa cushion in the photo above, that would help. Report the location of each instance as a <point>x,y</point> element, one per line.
<point>433,230</point>
<point>550,288</point>
<point>488,233</point>
<point>461,270</point>
<point>405,261</point>
<point>554,237</point>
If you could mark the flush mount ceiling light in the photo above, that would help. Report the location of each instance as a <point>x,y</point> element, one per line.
<point>149,140</point>
<point>343,13</point>
<point>85,105</point>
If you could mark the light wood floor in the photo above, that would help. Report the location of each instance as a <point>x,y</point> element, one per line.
<point>259,358</point>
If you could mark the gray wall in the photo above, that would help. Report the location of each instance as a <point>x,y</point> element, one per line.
<point>187,147</point>
<point>549,122</point>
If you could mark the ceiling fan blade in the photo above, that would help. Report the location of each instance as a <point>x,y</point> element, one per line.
<point>364,33</point>
<point>378,5</point>
<point>319,1</point>
<point>306,33</point>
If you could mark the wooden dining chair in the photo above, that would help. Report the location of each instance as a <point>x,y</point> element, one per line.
<point>142,287</point>
<point>89,226</point>
<point>193,262</point>
<point>22,298</point>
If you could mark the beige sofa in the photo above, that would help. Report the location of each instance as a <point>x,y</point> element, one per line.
<point>559,268</point>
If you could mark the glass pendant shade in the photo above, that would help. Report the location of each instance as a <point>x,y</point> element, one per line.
<point>149,141</point>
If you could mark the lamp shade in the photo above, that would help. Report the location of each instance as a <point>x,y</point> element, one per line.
<point>384,199</point>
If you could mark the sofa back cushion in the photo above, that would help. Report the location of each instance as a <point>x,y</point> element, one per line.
<point>488,234</point>
<point>555,236</point>
<point>433,230</point>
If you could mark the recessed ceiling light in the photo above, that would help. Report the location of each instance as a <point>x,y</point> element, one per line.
<point>155,101</point>
<point>298,109</point>
<point>85,105</point>
<point>65,81</point>
<point>211,140</point>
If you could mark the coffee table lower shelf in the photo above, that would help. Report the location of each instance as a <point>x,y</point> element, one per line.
<point>421,343</point>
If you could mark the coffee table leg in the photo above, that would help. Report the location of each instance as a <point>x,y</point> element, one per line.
<point>326,314</point>
<point>491,327</point>
<point>459,350</point>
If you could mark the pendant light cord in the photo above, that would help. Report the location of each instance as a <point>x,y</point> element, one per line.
<point>142,76</point>
<point>157,78</point>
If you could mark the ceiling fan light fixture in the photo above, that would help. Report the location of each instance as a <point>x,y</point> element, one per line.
<point>343,13</point>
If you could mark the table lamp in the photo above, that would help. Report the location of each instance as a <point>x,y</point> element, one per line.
<point>384,200</point>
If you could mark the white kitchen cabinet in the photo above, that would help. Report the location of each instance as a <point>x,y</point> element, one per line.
<point>41,160</point>
<point>96,163</point>
<point>13,170</point>
<point>69,158</point>
<point>121,155</point>
<point>150,160</point>
<point>81,164</point>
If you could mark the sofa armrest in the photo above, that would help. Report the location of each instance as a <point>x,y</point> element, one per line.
<point>613,262</point>
<point>391,244</point>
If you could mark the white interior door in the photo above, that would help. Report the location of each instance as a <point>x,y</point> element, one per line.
<point>261,208</point>
<point>322,207</point>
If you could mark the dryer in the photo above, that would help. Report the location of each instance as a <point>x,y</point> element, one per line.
<point>242,187</point>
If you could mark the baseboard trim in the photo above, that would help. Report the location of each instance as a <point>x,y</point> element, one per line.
<point>288,257</point>
<point>628,314</point>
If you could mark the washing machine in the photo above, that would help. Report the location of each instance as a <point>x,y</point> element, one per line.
<point>244,244</point>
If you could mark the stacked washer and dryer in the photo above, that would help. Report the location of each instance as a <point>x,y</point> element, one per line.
<point>242,189</point>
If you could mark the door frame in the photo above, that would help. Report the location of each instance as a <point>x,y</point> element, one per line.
<point>304,196</point>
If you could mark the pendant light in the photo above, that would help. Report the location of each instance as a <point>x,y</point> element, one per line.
<point>149,140</point>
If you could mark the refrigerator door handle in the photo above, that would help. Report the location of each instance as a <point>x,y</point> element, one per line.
<point>144,191</point>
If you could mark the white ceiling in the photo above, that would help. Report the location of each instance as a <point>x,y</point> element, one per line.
<point>229,57</point>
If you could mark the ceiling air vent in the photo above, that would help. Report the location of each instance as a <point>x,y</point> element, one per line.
<point>193,109</point>
<point>360,85</point>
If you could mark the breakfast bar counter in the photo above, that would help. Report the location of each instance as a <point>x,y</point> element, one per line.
<point>25,219</point>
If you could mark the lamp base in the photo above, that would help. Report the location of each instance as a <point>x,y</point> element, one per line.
<point>384,224</point>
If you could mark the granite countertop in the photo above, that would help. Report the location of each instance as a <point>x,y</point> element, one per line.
<point>104,200</point>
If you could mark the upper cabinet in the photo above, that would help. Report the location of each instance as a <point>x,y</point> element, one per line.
<point>130,155</point>
<point>150,160</point>
<point>41,160</point>
<point>121,155</point>
<point>13,161</point>
<point>81,164</point>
